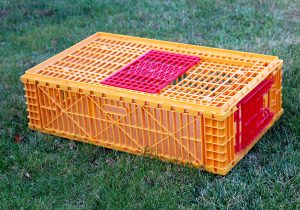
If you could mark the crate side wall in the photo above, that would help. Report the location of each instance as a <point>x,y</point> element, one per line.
<point>121,125</point>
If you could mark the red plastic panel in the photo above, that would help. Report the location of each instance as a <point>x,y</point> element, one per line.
<point>151,72</point>
<point>252,116</point>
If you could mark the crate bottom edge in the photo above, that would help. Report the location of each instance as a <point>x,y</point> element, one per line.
<point>201,166</point>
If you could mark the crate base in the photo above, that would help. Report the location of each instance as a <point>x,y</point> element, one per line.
<point>218,171</point>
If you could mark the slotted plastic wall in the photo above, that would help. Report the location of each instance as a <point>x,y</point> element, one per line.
<point>206,113</point>
<point>121,124</point>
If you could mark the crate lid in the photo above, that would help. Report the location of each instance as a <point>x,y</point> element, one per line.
<point>215,84</point>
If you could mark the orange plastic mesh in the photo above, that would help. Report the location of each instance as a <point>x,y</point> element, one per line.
<point>212,82</point>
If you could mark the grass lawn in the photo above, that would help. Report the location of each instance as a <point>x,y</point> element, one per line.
<point>44,172</point>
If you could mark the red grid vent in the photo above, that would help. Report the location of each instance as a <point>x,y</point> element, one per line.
<point>152,71</point>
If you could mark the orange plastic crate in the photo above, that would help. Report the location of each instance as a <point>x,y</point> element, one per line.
<point>202,118</point>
